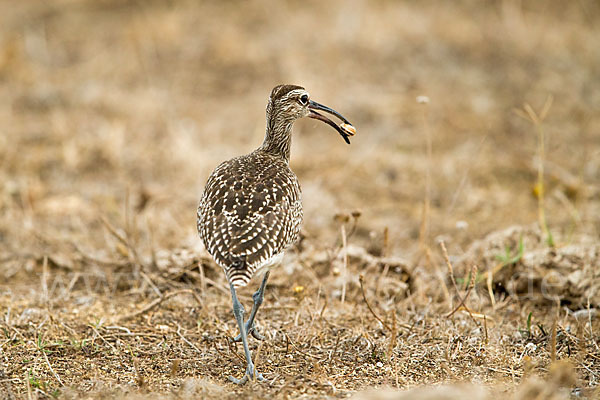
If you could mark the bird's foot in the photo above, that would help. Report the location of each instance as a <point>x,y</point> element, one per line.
<point>251,331</point>
<point>251,374</point>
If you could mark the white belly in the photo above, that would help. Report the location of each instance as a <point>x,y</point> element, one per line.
<point>268,264</point>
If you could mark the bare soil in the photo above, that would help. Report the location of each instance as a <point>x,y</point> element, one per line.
<point>113,114</point>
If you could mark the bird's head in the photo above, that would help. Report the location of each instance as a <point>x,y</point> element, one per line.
<point>290,102</point>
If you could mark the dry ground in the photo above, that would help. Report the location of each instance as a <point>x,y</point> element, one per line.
<point>113,113</point>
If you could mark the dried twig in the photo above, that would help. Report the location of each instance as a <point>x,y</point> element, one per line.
<point>462,304</point>
<point>155,303</point>
<point>345,271</point>
<point>51,369</point>
<point>257,358</point>
<point>41,350</point>
<point>323,309</point>
<point>123,240</point>
<point>335,347</point>
<point>553,340</point>
<point>45,297</point>
<point>103,339</point>
<point>138,376</point>
<point>449,265</point>
<point>386,242</point>
<point>489,280</point>
<point>424,227</point>
<point>392,343</point>
<point>121,328</point>
<point>231,345</point>
<point>528,113</point>
<point>202,277</point>
<point>96,260</point>
<point>72,283</point>
<point>29,394</point>
<point>290,342</point>
<point>469,288</point>
<point>192,345</point>
<point>362,289</point>
<point>485,328</point>
<point>590,325</point>
<point>151,283</point>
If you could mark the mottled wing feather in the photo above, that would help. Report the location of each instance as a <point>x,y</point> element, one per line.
<point>250,212</point>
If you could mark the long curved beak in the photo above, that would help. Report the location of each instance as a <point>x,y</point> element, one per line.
<point>345,130</point>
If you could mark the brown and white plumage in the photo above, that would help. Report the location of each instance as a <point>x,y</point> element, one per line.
<point>250,212</point>
<point>251,208</point>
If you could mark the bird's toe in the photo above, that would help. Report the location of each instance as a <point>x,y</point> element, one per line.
<point>239,381</point>
<point>257,336</point>
<point>251,374</point>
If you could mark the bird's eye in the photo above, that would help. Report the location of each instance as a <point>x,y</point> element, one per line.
<point>304,99</point>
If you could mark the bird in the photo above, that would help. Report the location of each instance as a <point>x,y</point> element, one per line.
<point>250,211</point>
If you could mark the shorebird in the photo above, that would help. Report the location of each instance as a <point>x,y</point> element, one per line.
<point>251,208</point>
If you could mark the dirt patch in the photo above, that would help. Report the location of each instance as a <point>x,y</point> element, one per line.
<point>526,267</point>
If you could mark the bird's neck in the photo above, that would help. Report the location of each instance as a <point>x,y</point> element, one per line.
<point>278,137</point>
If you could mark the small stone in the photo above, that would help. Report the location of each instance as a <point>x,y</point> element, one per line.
<point>530,347</point>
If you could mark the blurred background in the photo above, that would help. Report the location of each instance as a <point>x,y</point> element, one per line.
<point>103,100</point>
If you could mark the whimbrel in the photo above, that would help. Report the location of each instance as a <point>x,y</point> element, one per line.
<point>251,208</point>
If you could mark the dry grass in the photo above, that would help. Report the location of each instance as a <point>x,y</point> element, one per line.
<point>114,113</point>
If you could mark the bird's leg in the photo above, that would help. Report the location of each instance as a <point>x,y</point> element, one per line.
<point>258,298</point>
<point>238,312</point>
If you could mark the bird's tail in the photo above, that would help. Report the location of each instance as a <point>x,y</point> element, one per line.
<point>238,273</point>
